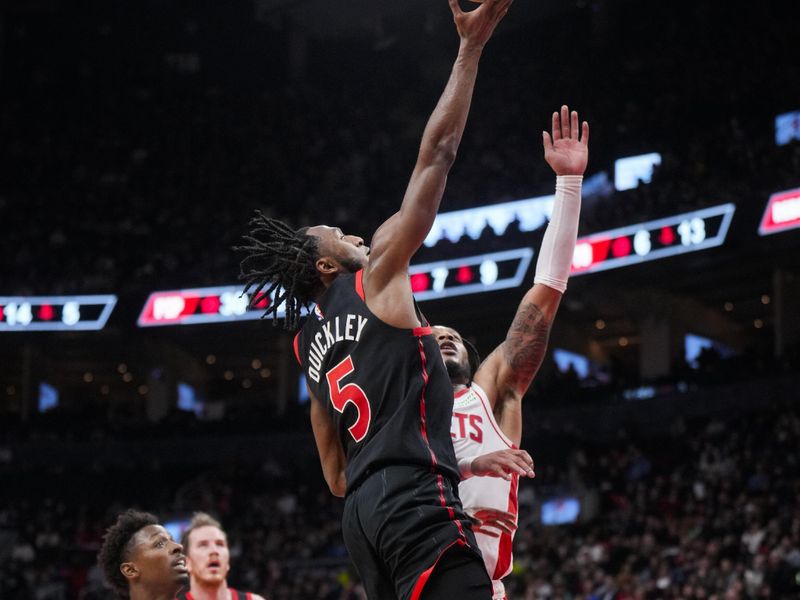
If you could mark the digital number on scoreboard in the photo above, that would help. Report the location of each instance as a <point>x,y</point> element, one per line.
<point>688,232</point>
<point>55,313</point>
<point>470,275</point>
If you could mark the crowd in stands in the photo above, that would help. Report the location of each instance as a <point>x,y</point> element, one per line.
<point>133,156</point>
<point>704,508</point>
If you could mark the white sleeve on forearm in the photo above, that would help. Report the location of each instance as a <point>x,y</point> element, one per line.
<point>558,245</point>
<point>465,467</point>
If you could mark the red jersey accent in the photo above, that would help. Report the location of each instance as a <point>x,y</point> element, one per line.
<point>296,349</point>
<point>360,283</point>
<point>426,574</point>
<point>418,331</point>
<point>506,541</point>
<point>495,427</point>
<point>423,427</point>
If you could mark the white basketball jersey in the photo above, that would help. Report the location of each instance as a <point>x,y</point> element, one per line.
<point>475,432</point>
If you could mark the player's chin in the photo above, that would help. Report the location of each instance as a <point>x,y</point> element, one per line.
<point>182,578</point>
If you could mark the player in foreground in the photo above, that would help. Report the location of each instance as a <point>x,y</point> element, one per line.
<point>381,400</point>
<point>140,560</point>
<point>487,411</point>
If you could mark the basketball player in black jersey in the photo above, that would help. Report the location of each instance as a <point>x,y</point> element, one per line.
<point>208,561</point>
<point>140,560</point>
<point>381,398</point>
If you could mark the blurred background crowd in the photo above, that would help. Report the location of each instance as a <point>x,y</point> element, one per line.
<point>136,139</point>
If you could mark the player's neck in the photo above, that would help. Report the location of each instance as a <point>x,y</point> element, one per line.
<point>201,591</point>
<point>141,593</point>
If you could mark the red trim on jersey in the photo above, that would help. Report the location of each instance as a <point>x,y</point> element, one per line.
<point>360,283</point>
<point>461,392</point>
<point>423,427</point>
<point>420,331</point>
<point>506,540</point>
<point>426,574</point>
<point>500,434</point>
<point>296,349</point>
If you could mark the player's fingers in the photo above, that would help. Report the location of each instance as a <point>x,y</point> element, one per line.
<point>486,532</point>
<point>585,134</point>
<point>573,126</point>
<point>565,121</point>
<point>455,8</point>
<point>502,527</point>
<point>556,127</point>
<point>501,8</point>
<point>523,454</point>
<point>525,467</point>
<point>547,143</point>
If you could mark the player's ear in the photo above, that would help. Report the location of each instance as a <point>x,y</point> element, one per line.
<point>327,266</point>
<point>129,570</point>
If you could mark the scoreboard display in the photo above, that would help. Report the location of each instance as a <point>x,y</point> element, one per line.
<point>55,313</point>
<point>782,213</point>
<point>688,232</point>
<point>442,279</point>
<point>475,273</point>
<point>470,275</point>
<point>200,306</point>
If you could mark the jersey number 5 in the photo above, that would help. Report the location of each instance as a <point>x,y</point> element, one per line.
<point>351,392</point>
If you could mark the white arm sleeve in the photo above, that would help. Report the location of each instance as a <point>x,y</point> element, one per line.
<point>558,245</point>
<point>465,467</point>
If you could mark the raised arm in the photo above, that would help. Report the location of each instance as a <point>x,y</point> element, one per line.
<point>401,235</point>
<point>507,372</point>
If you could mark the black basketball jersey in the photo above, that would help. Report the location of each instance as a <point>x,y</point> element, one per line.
<point>386,388</point>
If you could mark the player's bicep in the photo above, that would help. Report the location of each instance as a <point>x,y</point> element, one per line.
<point>513,365</point>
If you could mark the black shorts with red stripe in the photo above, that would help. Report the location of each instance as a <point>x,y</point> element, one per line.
<point>408,536</point>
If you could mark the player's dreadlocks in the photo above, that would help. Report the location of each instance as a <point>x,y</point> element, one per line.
<point>282,260</point>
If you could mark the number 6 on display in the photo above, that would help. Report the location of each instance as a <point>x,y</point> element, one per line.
<point>351,392</point>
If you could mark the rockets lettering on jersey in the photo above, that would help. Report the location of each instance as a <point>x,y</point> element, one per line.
<point>343,328</point>
<point>466,426</point>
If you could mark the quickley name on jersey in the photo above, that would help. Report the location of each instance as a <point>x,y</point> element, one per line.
<point>385,388</point>
<point>348,328</point>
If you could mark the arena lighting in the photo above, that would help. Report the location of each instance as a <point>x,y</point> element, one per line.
<point>787,127</point>
<point>531,214</point>
<point>687,232</point>
<point>782,212</point>
<point>632,170</point>
<point>55,313</point>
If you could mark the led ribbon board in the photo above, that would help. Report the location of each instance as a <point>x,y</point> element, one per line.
<point>471,275</point>
<point>530,214</point>
<point>200,306</point>
<point>782,212</point>
<point>55,313</point>
<point>688,232</point>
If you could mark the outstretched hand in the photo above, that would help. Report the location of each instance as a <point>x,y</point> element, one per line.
<point>476,26</point>
<point>567,152</point>
<point>504,464</point>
